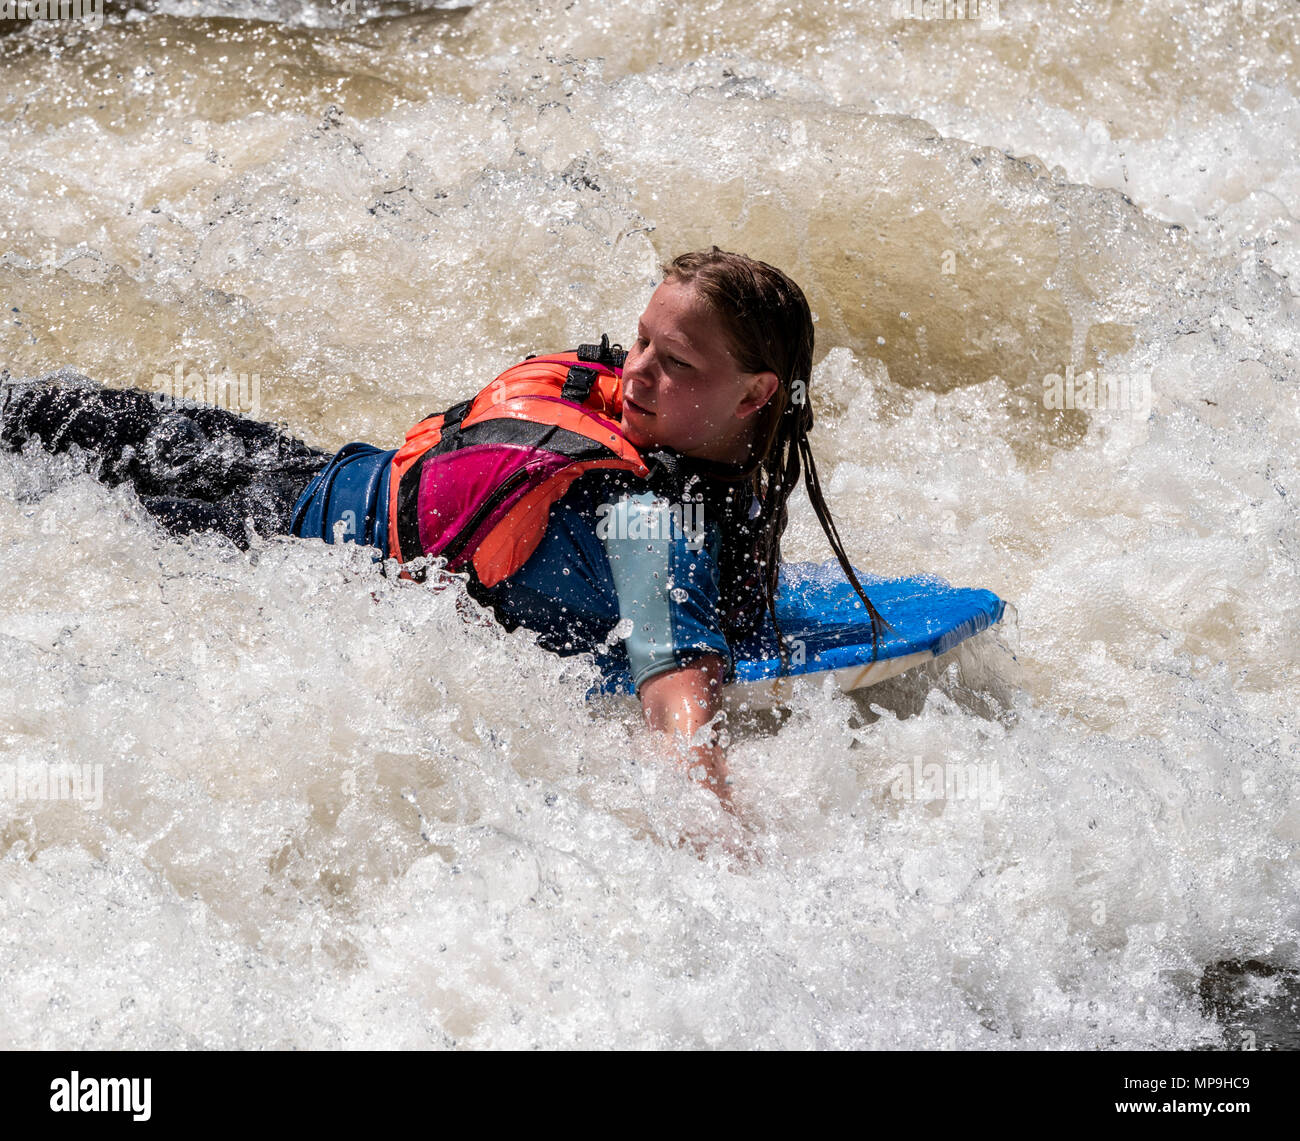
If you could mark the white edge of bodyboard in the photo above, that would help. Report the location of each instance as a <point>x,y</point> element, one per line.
<point>771,691</point>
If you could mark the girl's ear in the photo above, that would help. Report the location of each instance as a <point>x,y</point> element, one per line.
<point>760,389</point>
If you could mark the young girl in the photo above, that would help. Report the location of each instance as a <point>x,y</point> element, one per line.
<point>626,505</point>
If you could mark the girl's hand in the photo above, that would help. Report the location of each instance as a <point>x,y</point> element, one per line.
<point>683,701</point>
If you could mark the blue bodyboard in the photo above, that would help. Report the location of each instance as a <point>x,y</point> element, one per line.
<point>827,629</point>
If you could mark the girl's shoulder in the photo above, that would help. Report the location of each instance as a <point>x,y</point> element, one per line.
<point>685,489</point>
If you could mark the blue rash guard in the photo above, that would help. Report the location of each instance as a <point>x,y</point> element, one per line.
<point>620,573</point>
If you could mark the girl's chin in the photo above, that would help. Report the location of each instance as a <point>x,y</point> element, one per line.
<point>635,435</point>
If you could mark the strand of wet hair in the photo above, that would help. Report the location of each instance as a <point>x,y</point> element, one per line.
<point>814,486</point>
<point>787,460</point>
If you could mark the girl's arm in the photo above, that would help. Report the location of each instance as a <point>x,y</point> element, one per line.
<point>679,702</point>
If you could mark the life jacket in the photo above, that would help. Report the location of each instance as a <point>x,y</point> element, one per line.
<point>474,485</point>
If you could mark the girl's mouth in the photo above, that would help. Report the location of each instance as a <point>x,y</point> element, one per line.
<point>627,400</point>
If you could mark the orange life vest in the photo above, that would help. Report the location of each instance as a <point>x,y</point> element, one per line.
<point>474,485</point>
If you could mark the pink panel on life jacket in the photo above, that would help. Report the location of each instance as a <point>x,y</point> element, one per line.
<point>456,487</point>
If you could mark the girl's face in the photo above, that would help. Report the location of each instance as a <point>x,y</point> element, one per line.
<point>682,388</point>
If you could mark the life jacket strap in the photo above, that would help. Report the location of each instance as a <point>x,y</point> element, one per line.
<point>578,383</point>
<point>612,356</point>
<point>456,413</point>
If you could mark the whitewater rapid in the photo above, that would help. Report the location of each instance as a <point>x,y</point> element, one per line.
<point>334,813</point>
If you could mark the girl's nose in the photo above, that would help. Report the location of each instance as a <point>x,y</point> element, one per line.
<point>638,380</point>
<point>635,366</point>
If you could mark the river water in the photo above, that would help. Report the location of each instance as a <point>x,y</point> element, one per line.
<point>1054,255</point>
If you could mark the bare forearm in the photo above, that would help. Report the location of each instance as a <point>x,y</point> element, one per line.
<point>679,703</point>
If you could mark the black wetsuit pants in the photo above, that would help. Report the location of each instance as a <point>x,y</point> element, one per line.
<point>195,468</point>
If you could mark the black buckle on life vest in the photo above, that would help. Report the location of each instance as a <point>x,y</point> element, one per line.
<point>578,383</point>
<point>455,414</point>
<point>604,353</point>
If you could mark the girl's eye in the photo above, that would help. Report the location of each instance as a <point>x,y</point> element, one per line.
<point>640,344</point>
